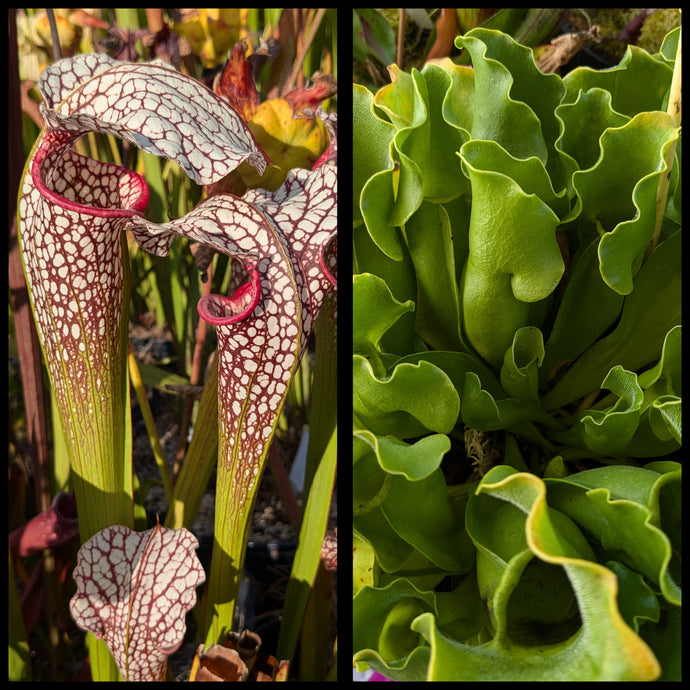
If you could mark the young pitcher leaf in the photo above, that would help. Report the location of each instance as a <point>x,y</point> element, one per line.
<point>133,590</point>
<point>49,529</point>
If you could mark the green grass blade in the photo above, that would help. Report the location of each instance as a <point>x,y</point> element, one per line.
<point>200,459</point>
<point>308,553</point>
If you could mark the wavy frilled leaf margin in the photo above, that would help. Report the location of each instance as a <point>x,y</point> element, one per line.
<point>517,246</point>
<point>73,212</point>
<point>553,610</point>
<point>512,583</point>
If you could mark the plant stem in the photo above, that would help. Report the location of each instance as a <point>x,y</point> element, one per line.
<point>146,413</point>
<point>284,488</point>
<point>308,555</point>
<point>674,110</point>
<point>194,378</point>
<point>304,49</point>
<point>54,35</point>
<point>324,396</point>
<point>200,459</point>
<point>401,37</point>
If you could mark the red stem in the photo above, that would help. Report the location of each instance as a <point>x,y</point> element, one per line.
<point>282,480</point>
<point>194,378</point>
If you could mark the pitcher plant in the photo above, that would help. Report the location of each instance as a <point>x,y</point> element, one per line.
<point>75,214</point>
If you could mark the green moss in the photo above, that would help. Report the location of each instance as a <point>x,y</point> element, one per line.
<point>611,22</point>
<point>655,28</point>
